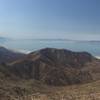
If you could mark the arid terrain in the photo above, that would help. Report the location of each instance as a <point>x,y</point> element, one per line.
<point>49,74</point>
<point>89,91</point>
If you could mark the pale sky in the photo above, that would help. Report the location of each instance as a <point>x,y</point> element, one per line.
<point>69,19</point>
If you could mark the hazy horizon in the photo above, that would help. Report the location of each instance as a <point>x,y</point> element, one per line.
<point>65,19</point>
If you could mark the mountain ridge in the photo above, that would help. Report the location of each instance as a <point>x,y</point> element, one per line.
<point>49,65</point>
<point>45,69</point>
<point>7,55</point>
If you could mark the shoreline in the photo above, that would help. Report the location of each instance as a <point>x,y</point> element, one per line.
<point>98,57</point>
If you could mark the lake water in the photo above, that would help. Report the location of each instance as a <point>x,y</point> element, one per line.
<point>32,45</point>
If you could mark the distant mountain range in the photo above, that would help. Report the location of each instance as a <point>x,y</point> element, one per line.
<point>2,39</point>
<point>61,39</point>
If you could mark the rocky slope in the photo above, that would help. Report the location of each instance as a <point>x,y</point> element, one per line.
<point>55,66</point>
<point>9,56</point>
<point>45,68</point>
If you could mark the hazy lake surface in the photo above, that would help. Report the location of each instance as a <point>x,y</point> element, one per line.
<point>33,44</point>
